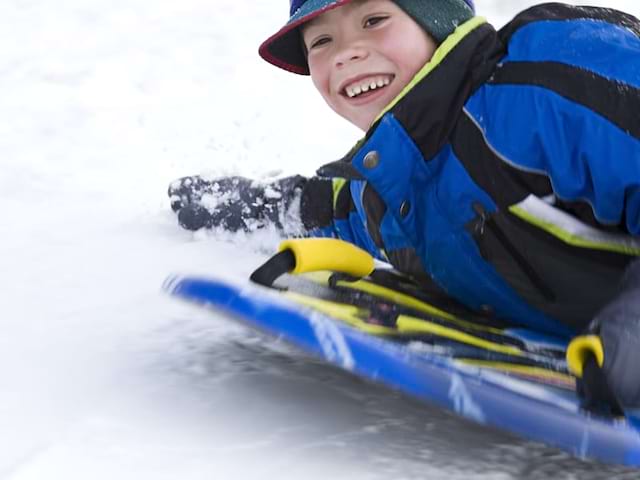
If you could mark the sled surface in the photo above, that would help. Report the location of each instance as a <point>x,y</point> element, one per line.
<point>504,377</point>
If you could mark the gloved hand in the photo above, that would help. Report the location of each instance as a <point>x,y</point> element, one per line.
<point>618,327</point>
<point>235,203</point>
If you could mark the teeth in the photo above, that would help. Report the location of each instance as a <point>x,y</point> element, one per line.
<point>368,84</point>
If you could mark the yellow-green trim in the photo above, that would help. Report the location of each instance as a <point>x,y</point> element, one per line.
<point>394,296</point>
<point>410,325</point>
<point>406,326</point>
<point>347,313</point>
<point>439,55</point>
<point>411,302</point>
<point>570,238</point>
<point>338,184</point>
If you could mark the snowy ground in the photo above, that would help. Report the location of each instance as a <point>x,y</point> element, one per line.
<point>102,103</point>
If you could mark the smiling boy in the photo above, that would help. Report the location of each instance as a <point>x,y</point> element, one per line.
<point>502,167</point>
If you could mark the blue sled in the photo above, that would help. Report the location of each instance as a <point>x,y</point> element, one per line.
<point>530,410</point>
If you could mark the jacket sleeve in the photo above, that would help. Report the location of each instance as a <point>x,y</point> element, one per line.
<point>586,157</point>
<point>590,160</point>
<point>328,209</point>
<point>564,102</point>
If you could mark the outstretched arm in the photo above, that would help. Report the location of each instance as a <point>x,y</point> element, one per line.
<point>237,203</point>
<point>295,206</point>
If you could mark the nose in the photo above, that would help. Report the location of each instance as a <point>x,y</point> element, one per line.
<point>350,53</point>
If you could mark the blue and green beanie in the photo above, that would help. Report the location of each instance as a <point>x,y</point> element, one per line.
<point>439,18</point>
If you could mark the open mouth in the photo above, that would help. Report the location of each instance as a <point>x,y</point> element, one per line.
<point>366,86</point>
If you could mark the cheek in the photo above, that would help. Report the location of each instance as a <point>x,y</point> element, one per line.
<point>410,56</point>
<point>422,52</point>
<point>321,79</point>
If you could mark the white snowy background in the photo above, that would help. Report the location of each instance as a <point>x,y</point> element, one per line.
<point>102,104</point>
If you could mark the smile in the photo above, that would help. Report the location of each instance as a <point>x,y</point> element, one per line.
<point>367,84</point>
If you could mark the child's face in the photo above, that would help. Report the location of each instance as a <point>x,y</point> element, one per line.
<point>364,43</point>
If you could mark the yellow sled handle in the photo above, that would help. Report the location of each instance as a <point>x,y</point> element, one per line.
<point>317,254</point>
<point>579,351</point>
<point>312,255</point>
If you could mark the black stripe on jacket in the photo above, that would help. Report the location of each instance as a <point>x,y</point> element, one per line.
<point>505,184</point>
<point>561,11</point>
<point>617,102</point>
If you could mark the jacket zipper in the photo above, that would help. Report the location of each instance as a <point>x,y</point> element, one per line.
<point>522,263</point>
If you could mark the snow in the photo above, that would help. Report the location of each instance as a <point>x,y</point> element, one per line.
<point>103,103</point>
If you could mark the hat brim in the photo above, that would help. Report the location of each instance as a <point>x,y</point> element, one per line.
<point>284,48</point>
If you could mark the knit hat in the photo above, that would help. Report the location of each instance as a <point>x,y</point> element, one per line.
<point>439,18</point>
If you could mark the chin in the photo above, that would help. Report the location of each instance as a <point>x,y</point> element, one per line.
<point>362,124</point>
<point>361,120</point>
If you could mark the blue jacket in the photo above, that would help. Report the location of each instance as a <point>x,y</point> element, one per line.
<point>509,173</point>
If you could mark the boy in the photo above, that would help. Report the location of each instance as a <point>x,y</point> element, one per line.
<point>502,166</point>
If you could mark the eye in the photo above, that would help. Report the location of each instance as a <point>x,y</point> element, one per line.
<point>318,42</point>
<point>374,20</point>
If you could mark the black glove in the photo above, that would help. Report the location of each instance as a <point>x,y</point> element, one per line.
<point>618,326</point>
<point>235,203</point>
